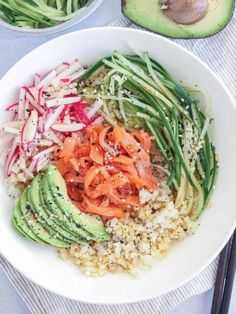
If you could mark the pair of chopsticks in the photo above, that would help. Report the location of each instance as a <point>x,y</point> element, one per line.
<point>225,278</point>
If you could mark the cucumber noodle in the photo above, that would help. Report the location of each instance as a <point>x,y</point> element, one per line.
<point>138,92</point>
<point>39,13</point>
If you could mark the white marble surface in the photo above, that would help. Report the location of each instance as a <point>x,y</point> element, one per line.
<point>12,47</point>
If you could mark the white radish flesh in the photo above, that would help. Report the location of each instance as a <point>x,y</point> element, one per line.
<point>45,153</point>
<point>47,79</point>
<point>70,70</point>
<point>53,118</point>
<point>11,130</point>
<point>73,127</point>
<point>21,104</point>
<point>62,101</point>
<point>37,79</point>
<point>51,135</point>
<point>30,128</point>
<point>14,124</point>
<point>94,108</point>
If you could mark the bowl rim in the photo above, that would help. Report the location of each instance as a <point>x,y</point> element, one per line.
<point>57,28</point>
<point>229,233</point>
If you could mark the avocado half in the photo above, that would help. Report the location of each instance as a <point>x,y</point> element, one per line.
<point>149,15</point>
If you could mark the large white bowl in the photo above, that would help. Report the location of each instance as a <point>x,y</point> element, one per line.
<point>189,257</point>
<point>92,5</point>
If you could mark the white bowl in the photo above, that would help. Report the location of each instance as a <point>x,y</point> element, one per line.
<point>92,5</point>
<point>188,257</point>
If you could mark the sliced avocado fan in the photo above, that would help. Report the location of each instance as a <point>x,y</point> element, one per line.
<point>150,14</point>
<point>45,214</point>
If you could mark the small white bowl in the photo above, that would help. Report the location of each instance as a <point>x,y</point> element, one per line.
<point>92,5</point>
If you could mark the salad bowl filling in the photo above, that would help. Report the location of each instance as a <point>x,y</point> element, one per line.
<point>111,164</point>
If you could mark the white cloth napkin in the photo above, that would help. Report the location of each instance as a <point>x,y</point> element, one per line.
<point>219,53</point>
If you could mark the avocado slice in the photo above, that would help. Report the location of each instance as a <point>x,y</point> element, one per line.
<point>42,210</point>
<point>20,230</point>
<point>90,223</point>
<point>150,15</point>
<point>21,226</point>
<point>60,215</point>
<point>53,225</point>
<point>35,225</point>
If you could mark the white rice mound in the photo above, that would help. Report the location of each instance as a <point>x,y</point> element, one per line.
<point>137,241</point>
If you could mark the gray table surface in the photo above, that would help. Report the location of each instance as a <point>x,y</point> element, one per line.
<point>12,47</point>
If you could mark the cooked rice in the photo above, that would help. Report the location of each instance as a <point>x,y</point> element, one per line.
<point>138,240</point>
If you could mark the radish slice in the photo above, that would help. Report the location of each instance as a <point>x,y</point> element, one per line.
<point>12,107</point>
<point>53,118</point>
<point>47,79</point>
<point>34,104</point>
<point>12,156</point>
<point>27,110</point>
<point>22,166</point>
<point>37,79</point>
<point>50,135</point>
<point>73,77</point>
<point>32,166</point>
<point>21,106</point>
<point>98,120</point>
<point>62,67</point>
<point>40,124</point>
<point>32,91</point>
<point>77,74</point>
<point>18,139</point>
<point>22,160</point>
<point>28,174</point>
<point>15,168</point>
<point>41,164</point>
<point>73,127</point>
<point>94,108</point>
<point>67,119</point>
<point>11,130</point>
<point>42,142</point>
<point>6,140</point>
<point>65,80</point>
<point>41,100</point>
<point>14,124</point>
<point>62,101</point>
<point>45,153</point>
<point>70,70</point>
<point>29,130</point>
<point>3,157</point>
<point>12,161</point>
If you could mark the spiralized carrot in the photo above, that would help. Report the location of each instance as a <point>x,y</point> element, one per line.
<point>105,168</point>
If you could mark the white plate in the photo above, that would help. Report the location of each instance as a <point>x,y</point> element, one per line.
<point>187,258</point>
<point>92,5</point>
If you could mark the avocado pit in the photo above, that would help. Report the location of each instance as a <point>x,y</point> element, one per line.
<point>185,11</point>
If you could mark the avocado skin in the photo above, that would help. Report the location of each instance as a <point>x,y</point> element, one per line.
<point>124,3</point>
<point>90,223</point>
<point>47,217</point>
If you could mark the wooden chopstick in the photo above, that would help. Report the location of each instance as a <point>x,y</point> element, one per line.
<point>225,278</point>
<point>229,281</point>
<point>220,279</point>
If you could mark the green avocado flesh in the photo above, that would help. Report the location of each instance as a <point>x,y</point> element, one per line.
<point>45,214</point>
<point>40,207</point>
<point>148,14</point>
<point>92,224</point>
